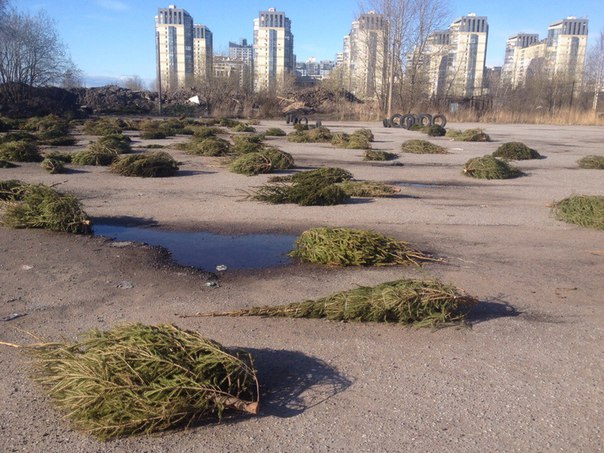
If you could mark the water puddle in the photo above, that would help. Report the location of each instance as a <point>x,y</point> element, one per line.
<point>207,250</point>
<point>419,185</point>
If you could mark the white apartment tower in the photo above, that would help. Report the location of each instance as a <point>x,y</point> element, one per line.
<point>457,57</point>
<point>174,30</point>
<point>566,47</point>
<point>562,53</point>
<point>202,52</point>
<point>184,49</point>
<point>273,49</point>
<point>512,51</point>
<point>364,54</point>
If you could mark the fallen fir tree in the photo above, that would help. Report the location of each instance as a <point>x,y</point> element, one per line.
<point>158,164</point>
<point>583,210</point>
<point>138,379</point>
<point>489,167</point>
<point>307,188</point>
<point>352,247</point>
<point>38,206</point>
<point>421,303</point>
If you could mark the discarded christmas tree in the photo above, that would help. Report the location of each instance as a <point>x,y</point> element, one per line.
<point>139,379</point>
<point>418,302</point>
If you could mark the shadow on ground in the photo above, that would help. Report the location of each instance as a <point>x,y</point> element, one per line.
<point>292,382</point>
<point>491,309</point>
<point>124,220</point>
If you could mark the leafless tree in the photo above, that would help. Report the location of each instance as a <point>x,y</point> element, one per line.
<point>134,83</point>
<point>411,22</point>
<point>73,77</point>
<point>31,54</point>
<point>595,69</point>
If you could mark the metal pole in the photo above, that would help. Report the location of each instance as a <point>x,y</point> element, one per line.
<point>158,74</point>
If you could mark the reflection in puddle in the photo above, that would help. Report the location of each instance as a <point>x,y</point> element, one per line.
<point>207,250</point>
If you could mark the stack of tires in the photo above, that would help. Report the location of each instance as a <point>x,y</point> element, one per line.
<point>409,120</point>
<point>292,118</point>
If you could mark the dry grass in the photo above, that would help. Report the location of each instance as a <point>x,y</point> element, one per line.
<point>563,116</point>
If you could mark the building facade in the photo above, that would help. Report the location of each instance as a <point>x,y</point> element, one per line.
<point>561,54</point>
<point>184,50</point>
<point>364,55</point>
<point>273,50</point>
<point>566,48</point>
<point>174,32</point>
<point>202,52</point>
<point>455,58</point>
<point>243,54</point>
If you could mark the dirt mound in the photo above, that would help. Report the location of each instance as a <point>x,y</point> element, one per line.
<point>114,99</point>
<point>33,101</point>
<point>315,100</point>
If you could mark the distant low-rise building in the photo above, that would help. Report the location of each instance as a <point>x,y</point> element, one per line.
<point>243,53</point>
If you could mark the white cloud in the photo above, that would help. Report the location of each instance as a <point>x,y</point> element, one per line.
<point>113,5</point>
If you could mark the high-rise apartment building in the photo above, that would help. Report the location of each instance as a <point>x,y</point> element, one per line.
<point>202,51</point>
<point>566,47</point>
<point>184,49</point>
<point>273,49</point>
<point>243,54</point>
<point>364,54</point>
<point>518,41</point>
<point>174,29</point>
<point>562,53</point>
<point>455,58</point>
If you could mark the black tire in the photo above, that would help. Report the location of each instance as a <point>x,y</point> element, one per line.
<point>303,120</point>
<point>424,119</point>
<point>439,120</point>
<point>407,121</point>
<point>396,120</point>
<point>296,120</point>
<point>318,123</point>
<point>288,118</point>
<point>385,122</point>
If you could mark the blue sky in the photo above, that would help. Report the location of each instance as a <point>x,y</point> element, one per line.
<point>109,39</point>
